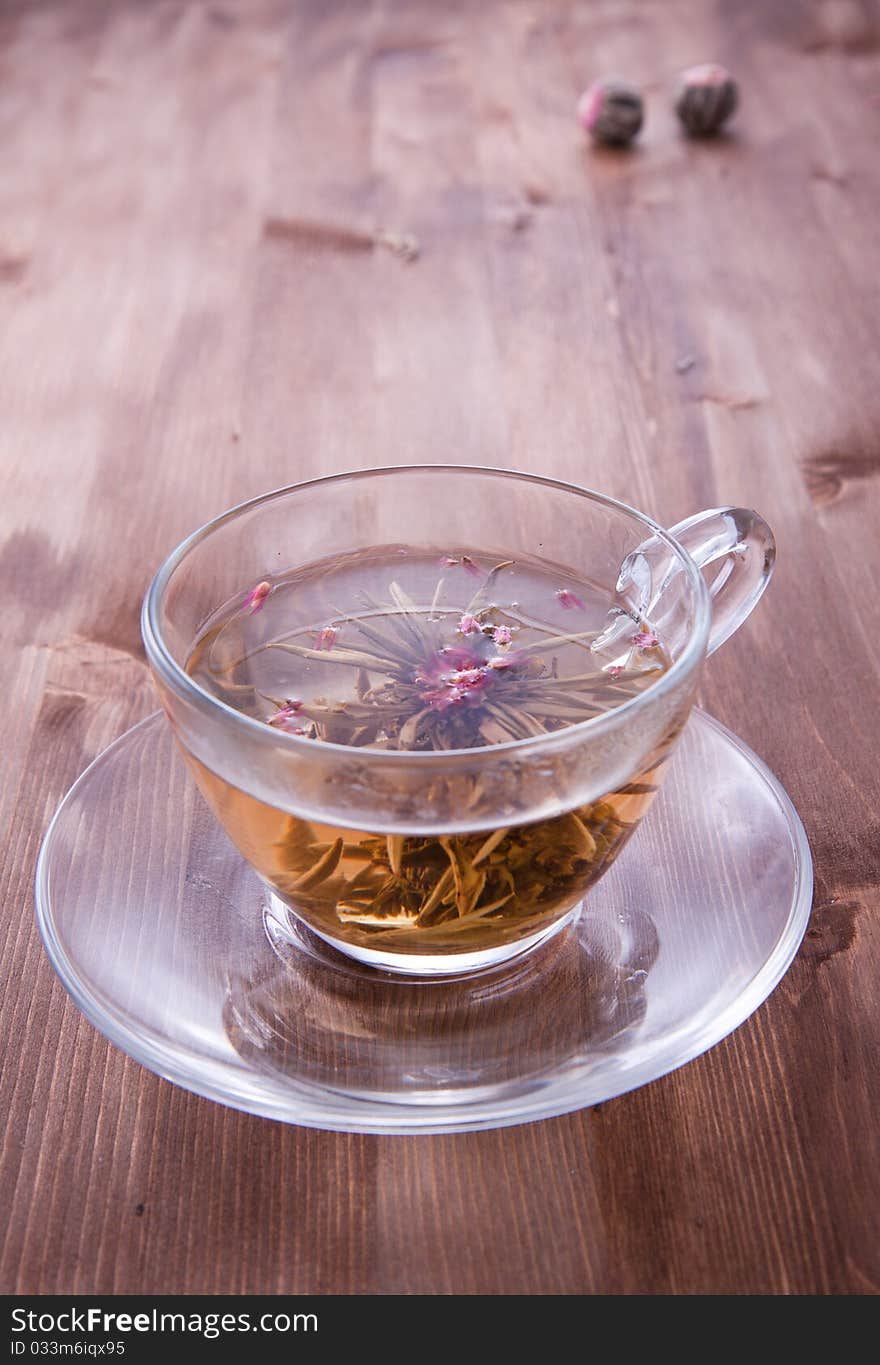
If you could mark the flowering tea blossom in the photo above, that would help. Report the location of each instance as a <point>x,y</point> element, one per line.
<point>256,597</point>
<point>454,675</point>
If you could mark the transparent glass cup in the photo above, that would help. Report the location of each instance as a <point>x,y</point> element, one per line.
<point>564,803</point>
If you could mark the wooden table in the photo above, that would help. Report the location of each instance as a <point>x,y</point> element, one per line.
<point>194,311</point>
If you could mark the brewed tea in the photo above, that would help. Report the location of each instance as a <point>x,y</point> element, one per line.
<point>397,649</point>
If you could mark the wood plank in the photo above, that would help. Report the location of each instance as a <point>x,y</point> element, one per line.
<point>193,311</point>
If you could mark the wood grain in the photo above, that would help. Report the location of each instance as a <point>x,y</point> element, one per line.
<point>683,325</point>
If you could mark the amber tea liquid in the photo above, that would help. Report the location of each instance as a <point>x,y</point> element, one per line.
<point>398,649</point>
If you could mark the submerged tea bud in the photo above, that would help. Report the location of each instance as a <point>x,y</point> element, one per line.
<point>611,111</point>
<point>707,96</point>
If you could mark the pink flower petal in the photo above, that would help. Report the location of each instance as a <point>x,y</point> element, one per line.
<point>710,73</point>
<point>502,635</point>
<point>462,677</point>
<point>286,718</point>
<point>455,656</point>
<point>590,105</point>
<point>468,624</point>
<point>645,639</point>
<point>570,600</point>
<point>256,597</point>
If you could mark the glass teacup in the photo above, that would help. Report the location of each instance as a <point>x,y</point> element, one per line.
<point>432,860</point>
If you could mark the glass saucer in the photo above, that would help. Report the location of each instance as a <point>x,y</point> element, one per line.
<point>173,948</point>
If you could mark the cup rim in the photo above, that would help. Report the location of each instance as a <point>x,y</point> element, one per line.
<point>180,682</point>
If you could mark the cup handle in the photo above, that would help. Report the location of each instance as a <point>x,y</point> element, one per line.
<point>735,550</point>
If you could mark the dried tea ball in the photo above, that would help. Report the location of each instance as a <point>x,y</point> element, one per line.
<point>611,111</point>
<point>707,96</point>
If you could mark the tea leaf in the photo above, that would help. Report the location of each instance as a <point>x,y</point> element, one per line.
<point>386,646</point>
<point>486,585</point>
<point>323,868</point>
<point>489,845</point>
<point>438,592</point>
<point>541,645</point>
<point>441,886</point>
<point>395,851</point>
<point>352,657</point>
<point>408,732</point>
